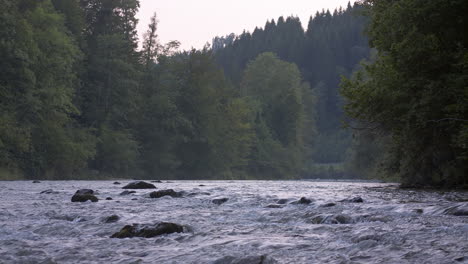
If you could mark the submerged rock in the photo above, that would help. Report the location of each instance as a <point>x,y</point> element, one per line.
<point>198,193</point>
<point>219,201</point>
<point>356,199</point>
<point>458,210</point>
<point>139,185</point>
<point>282,201</point>
<point>111,219</point>
<point>109,199</point>
<point>147,230</point>
<point>328,205</point>
<point>84,195</point>
<point>274,206</point>
<point>127,192</point>
<point>117,183</point>
<point>303,200</point>
<point>332,219</point>
<point>168,192</point>
<point>49,191</point>
<point>263,259</point>
<point>157,181</point>
<point>36,181</point>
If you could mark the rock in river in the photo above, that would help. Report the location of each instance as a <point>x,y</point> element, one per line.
<point>303,200</point>
<point>111,219</point>
<point>84,195</point>
<point>168,192</point>
<point>36,181</point>
<point>49,191</point>
<point>127,192</point>
<point>219,201</point>
<point>148,230</point>
<point>357,199</point>
<point>139,185</point>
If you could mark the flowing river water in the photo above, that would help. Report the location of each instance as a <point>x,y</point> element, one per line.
<point>259,223</point>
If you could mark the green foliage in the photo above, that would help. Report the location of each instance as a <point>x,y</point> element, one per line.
<point>38,134</point>
<point>275,92</point>
<point>331,46</point>
<point>78,100</point>
<point>416,89</point>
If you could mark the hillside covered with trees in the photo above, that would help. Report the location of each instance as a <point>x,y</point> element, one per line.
<point>79,99</point>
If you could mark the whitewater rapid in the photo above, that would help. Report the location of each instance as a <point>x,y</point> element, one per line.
<point>259,223</point>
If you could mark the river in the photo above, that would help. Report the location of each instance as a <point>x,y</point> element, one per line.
<point>389,226</point>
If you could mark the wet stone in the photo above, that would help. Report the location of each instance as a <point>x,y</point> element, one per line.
<point>219,201</point>
<point>274,206</point>
<point>127,192</point>
<point>168,192</point>
<point>109,199</point>
<point>148,230</point>
<point>458,210</point>
<point>139,185</point>
<point>157,181</point>
<point>328,205</point>
<point>198,193</point>
<point>282,201</point>
<point>111,219</point>
<point>49,191</point>
<point>85,191</point>
<point>36,182</point>
<point>116,183</point>
<point>303,200</point>
<point>84,198</point>
<point>356,199</point>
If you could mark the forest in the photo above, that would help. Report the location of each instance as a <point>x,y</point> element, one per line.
<point>351,96</point>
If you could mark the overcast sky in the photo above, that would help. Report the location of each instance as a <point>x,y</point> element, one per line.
<point>195,22</point>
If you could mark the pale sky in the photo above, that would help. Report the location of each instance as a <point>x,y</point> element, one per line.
<point>195,22</point>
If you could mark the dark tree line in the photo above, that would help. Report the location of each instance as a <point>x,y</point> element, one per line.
<point>80,100</point>
<point>331,46</point>
<point>411,100</point>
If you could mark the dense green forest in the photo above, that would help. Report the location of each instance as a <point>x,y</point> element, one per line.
<point>411,100</point>
<point>333,45</point>
<point>79,99</point>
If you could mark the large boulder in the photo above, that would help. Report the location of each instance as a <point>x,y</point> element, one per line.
<point>148,230</point>
<point>168,192</point>
<point>139,185</point>
<point>84,195</point>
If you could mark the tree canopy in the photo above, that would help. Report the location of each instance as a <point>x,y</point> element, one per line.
<point>415,91</point>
